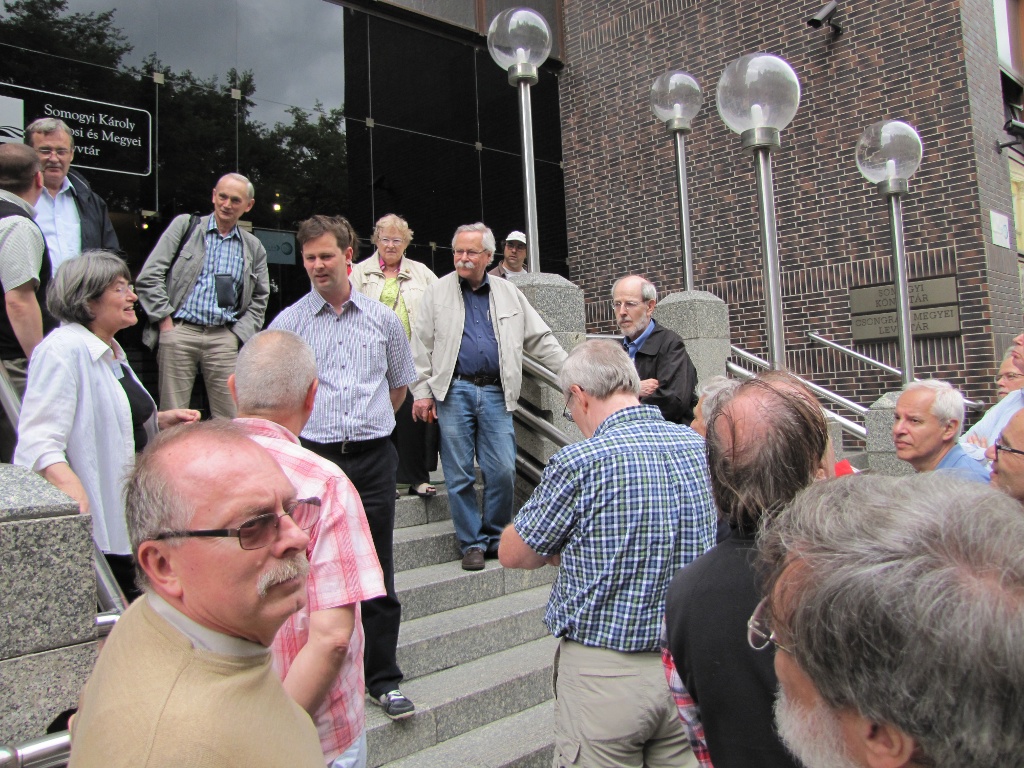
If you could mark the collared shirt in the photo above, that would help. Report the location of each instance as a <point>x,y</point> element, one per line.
<point>21,244</point>
<point>361,354</point>
<point>625,509</point>
<point>61,223</point>
<point>992,424</point>
<point>632,347</point>
<point>343,571</point>
<point>202,637</point>
<point>500,271</point>
<point>963,466</point>
<point>223,256</point>
<point>478,355</point>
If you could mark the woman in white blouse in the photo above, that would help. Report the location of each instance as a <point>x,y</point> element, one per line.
<point>85,413</point>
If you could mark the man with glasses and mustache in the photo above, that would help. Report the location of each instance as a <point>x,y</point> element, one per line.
<point>468,342</point>
<point>766,440</point>
<point>895,608</point>
<point>185,678</point>
<point>73,217</point>
<point>319,650</point>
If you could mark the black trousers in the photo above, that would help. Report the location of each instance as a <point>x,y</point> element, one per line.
<point>373,474</point>
<point>416,442</point>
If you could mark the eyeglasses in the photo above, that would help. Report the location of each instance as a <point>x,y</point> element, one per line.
<point>259,531</point>
<point>565,411</point>
<point>515,246</point>
<point>58,151</point>
<point>630,305</point>
<point>395,241</point>
<point>998,445</point>
<point>759,634</point>
<point>467,252</point>
<point>122,289</point>
<point>1008,376</point>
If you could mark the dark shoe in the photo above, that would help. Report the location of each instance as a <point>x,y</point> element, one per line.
<point>473,560</point>
<point>395,705</point>
<point>426,493</point>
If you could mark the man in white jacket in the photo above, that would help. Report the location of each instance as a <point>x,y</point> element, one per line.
<point>468,342</point>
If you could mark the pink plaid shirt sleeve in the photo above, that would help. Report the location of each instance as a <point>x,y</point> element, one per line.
<point>689,712</point>
<point>343,571</point>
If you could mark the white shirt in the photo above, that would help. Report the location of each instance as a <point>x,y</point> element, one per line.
<point>61,224</point>
<point>76,411</point>
<point>992,424</point>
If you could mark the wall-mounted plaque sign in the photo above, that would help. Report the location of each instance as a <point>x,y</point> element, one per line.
<point>933,310</point>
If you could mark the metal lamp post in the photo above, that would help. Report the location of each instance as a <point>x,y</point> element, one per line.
<point>676,100</point>
<point>758,95</point>
<point>888,154</point>
<point>519,41</point>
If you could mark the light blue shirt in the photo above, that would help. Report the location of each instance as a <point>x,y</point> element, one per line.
<point>632,347</point>
<point>959,463</point>
<point>992,424</point>
<point>61,224</point>
<point>223,256</point>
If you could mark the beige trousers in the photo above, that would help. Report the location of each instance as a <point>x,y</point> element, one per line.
<point>614,710</point>
<point>187,349</point>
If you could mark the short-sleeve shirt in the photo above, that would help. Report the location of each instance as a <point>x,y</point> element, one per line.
<point>343,571</point>
<point>625,509</point>
<point>361,354</point>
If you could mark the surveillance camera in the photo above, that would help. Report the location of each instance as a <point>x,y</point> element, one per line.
<point>1014,128</point>
<point>824,16</point>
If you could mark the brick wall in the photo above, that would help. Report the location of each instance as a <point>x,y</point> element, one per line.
<point>931,64</point>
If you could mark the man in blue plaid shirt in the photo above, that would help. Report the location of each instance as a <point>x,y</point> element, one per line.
<point>618,514</point>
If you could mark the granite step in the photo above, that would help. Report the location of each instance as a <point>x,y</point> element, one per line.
<point>426,544</point>
<point>441,587</point>
<point>455,701</point>
<point>460,635</point>
<point>523,740</point>
<point>414,510</point>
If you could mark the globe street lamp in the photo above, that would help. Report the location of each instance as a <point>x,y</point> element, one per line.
<point>519,41</point>
<point>758,95</point>
<point>888,154</point>
<point>676,100</point>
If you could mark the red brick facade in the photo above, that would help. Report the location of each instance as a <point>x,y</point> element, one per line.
<point>932,64</point>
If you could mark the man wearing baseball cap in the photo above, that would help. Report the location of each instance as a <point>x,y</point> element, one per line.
<point>515,255</point>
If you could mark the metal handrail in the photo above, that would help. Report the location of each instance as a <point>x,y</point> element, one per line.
<point>50,751</point>
<point>974,405</point>
<point>820,391</point>
<point>539,371</point>
<point>742,354</point>
<point>850,427</point>
<point>541,427</point>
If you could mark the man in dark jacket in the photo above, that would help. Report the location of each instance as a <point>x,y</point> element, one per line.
<point>73,217</point>
<point>667,376</point>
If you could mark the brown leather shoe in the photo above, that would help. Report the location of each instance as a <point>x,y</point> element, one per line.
<point>473,560</point>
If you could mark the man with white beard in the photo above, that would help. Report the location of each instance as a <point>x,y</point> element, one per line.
<point>895,606</point>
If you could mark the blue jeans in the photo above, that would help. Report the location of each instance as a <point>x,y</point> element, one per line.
<point>473,421</point>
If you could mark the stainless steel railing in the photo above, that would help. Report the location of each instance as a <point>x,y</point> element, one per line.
<point>50,751</point>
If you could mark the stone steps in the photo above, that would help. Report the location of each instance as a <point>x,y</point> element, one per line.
<point>458,700</point>
<point>474,651</point>
<point>523,740</point>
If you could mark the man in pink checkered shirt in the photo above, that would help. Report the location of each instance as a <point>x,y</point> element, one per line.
<point>319,650</point>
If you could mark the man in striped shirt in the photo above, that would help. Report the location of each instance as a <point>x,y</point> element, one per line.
<point>319,650</point>
<point>364,366</point>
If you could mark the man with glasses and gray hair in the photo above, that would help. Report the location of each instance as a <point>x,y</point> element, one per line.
<point>618,513</point>
<point>468,341</point>
<point>896,607</point>
<point>73,217</point>
<point>766,440</point>
<point>667,375</point>
<point>319,650</point>
<point>185,678</point>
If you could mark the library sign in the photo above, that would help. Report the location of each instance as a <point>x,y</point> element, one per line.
<point>933,310</point>
<point>108,137</point>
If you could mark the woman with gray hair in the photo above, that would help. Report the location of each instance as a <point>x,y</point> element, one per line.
<point>85,413</point>
<point>396,281</point>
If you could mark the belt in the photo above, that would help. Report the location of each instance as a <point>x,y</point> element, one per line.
<point>356,446</point>
<point>480,381</point>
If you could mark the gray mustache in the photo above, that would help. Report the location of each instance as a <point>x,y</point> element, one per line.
<point>289,569</point>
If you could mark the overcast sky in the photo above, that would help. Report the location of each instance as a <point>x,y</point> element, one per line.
<point>293,47</point>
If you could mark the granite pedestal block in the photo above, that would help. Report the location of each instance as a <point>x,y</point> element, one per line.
<point>702,320</point>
